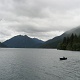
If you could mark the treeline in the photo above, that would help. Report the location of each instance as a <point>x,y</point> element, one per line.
<point>70,43</point>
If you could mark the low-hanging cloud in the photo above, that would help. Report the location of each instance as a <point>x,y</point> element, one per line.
<point>43,19</point>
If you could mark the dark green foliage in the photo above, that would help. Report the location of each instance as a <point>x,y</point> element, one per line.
<point>70,43</point>
<point>53,43</point>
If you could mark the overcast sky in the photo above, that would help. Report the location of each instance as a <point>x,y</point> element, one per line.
<point>43,19</point>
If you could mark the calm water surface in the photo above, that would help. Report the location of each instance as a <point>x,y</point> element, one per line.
<point>38,64</point>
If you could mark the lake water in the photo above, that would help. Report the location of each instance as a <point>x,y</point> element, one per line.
<point>38,64</point>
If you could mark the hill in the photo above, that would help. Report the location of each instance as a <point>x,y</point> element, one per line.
<point>20,41</point>
<point>53,43</point>
<point>70,43</point>
<point>2,45</point>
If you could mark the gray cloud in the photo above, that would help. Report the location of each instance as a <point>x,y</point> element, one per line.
<point>38,18</point>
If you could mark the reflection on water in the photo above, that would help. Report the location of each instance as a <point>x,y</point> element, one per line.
<point>39,64</point>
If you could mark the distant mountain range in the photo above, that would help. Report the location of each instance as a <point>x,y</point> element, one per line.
<point>20,41</point>
<point>53,43</point>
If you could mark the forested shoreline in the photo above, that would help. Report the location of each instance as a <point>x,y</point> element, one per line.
<point>70,43</point>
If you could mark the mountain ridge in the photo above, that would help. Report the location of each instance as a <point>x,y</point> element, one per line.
<point>53,43</point>
<point>21,41</point>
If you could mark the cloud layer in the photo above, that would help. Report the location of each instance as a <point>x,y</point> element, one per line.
<point>43,19</point>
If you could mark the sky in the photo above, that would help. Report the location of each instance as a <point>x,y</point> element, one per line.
<point>42,19</point>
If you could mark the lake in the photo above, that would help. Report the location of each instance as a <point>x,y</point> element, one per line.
<point>38,64</point>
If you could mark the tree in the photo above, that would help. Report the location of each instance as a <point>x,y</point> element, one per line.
<point>70,43</point>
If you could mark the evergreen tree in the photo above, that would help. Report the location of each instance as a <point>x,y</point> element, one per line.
<point>70,43</point>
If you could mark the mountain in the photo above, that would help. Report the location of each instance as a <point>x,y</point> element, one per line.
<point>20,41</point>
<point>53,43</point>
<point>2,45</point>
<point>70,43</point>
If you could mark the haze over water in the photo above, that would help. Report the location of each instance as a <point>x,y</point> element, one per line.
<point>39,64</point>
